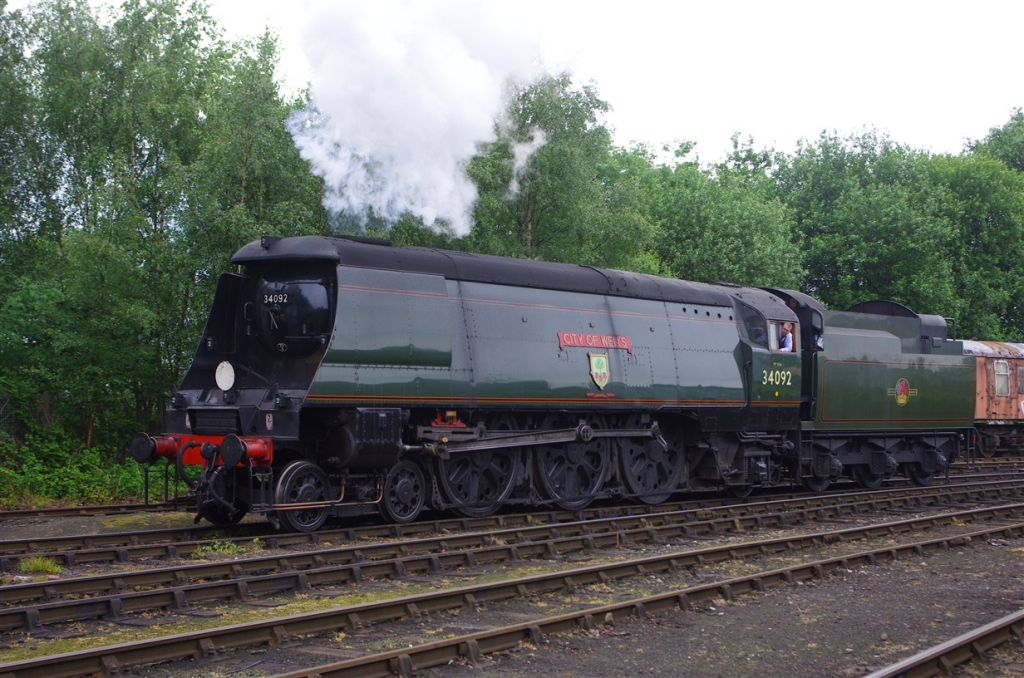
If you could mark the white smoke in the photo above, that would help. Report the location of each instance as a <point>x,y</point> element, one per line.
<point>402,93</point>
<point>521,154</point>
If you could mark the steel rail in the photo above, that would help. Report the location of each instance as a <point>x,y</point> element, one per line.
<point>178,534</point>
<point>803,506</point>
<point>346,566</point>
<point>406,662</point>
<point>176,543</point>
<point>96,510</point>
<point>989,466</point>
<point>210,642</point>
<point>179,549</point>
<point>697,522</point>
<point>943,658</point>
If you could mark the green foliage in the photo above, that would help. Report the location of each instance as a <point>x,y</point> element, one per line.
<point>1005,143</point>
<point>147,152</point>
<point>984,207</point>
<point>226,548</point>
<point>941,234</point>
<point>411,231</point>
<point>725,227</point>
<point>15,135</point>
<point>547,185</point>
<point>49,467</point>
<point>39,565</point>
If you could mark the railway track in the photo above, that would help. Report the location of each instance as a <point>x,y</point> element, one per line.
<point>176,543</point>
<point>180,589</point>
<point>944,659</point>
<point>306,571</point>
<point>472,647</point>
<point>281,630</point>
<point>183,504</point>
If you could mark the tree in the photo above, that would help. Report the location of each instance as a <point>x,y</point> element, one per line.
<point>150,152</point>
<point>562,202</point>
<point>16,135</point>
<point>868,214</point>
<point>986,210</point>
<point>723,226</point>
<point>248,181</point>
<point>1005,143</point>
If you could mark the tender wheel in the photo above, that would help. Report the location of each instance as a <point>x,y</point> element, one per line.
<point>302,482</point>
<point>649,472</point>
<point>865,478</point>
<point>812,484</point>
<point>917,475</point>
<point>405,492</point>
<point>572,474</point>
<point>478,482</point>
<point>740,491</point>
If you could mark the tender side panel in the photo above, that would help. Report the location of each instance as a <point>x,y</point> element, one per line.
<point>867,382</point>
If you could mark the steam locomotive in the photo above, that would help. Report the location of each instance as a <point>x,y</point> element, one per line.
<point>338,376</point>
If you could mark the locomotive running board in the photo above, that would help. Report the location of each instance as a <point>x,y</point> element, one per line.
<point>583,433</point>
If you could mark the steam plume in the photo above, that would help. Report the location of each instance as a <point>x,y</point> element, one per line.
<point>402,93</point>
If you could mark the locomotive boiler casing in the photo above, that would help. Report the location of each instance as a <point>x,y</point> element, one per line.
<point>414,340</point>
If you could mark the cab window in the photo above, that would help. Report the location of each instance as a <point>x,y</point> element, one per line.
<point>778,332</point>
<point>293,312</point>
<point>756,326</point>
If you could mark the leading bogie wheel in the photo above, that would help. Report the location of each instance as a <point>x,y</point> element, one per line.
<point>302,482</point>
<point>221,503</point>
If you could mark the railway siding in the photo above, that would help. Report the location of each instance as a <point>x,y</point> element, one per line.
<point>650,532</point>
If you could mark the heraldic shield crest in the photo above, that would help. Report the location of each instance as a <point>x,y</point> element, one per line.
<point>599,370</point>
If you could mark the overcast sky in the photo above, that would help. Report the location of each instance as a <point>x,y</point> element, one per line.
<point>405,90</point>
<point>929,73</point>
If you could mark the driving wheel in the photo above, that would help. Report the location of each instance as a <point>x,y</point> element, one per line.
<point>572,474</point>
<point>478,482</point>
<point>649,472</point>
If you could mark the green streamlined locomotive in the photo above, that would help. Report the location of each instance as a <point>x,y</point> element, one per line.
<point>342,375</point>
